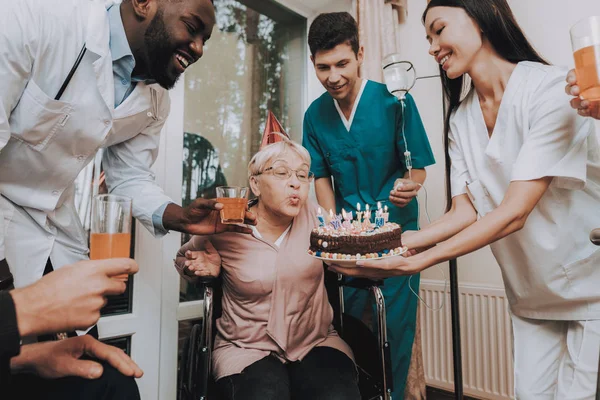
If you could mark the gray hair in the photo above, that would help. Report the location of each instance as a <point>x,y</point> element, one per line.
<point>272,151</point>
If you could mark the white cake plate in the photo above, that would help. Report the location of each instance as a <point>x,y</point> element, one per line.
<point>352,263</point>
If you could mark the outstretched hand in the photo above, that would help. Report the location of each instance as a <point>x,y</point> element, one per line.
<point>381,269</point>
<point>203,263</point>
<point>202,217</point>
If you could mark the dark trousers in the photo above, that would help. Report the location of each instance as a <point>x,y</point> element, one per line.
<point>324,374</point>
<point>112,385</point>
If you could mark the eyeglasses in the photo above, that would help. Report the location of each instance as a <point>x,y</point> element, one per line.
<point>283,173</point>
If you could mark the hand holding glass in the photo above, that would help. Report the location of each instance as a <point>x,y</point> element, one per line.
<point>234,203</point>
<point>111,228</point>
<point>585,38</point>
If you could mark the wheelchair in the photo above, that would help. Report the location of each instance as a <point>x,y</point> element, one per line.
<point>371,351</point>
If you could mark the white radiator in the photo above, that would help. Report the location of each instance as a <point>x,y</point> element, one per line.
<point>486,340</point>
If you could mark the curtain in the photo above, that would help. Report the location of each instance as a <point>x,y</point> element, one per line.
<point>378,21</point>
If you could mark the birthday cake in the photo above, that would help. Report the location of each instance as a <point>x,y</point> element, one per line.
<point>344,238</point>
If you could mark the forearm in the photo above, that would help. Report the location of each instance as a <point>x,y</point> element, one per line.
<point>173,218</point>
<point>461,215</point>
<point>325,194</point>
<point>441,230</point>
<point>494,226</point>
<point>128,172</point>
<point>30,313</point>
<point>417,175</point>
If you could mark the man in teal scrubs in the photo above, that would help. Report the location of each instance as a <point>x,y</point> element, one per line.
<point>354,135</point>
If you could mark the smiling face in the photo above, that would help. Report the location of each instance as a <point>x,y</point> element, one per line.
<point>337,69</point>
<point>455,39</point>
<point>282,196</point>
<point>175,38</point>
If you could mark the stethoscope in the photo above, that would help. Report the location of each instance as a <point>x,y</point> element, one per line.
<point>63,87</point>
<point>152,114</point>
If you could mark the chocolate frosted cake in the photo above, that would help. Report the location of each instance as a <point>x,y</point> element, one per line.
<point>352,241</point>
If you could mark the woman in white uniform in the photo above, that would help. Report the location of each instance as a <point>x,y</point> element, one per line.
<point>524,173</point>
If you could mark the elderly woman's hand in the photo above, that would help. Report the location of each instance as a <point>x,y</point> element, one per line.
<point>584,108</point>
<point>203,263</point>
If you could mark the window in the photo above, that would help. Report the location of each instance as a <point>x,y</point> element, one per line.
<point>253,63</point>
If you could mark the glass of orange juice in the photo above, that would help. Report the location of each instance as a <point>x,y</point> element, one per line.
<point>234,203</point>
<point>585,38</point>
<point>110,235</point>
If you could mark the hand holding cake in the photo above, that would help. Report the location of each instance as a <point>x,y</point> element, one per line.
<point>381,269</point>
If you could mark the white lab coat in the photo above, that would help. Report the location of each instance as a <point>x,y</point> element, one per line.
<point>550,268</point>
<point>45,143</point>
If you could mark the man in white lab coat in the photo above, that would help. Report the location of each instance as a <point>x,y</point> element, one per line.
<point>55,113</point>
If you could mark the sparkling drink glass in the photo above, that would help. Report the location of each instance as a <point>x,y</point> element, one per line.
<point>234,203</point>
<point>111,228</point>
<point>585,38</point>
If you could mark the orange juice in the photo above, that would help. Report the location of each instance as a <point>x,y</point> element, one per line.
<point>587,64</point>
<point>234,209</point>
<point>110,245</point>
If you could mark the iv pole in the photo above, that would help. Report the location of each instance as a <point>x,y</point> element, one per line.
<point>394,70</point>
<point>455,314</point>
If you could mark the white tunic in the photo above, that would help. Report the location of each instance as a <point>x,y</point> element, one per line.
<point>550,268</point>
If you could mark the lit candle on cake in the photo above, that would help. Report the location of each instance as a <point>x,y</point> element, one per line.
<point>367,218</point>
<point>386,214</point>
<point>347,219</point>
<point>320,217</point>
<point>358,213</point>
<point>338,219</point>
<point>357,223</point>
<point>378,216</point>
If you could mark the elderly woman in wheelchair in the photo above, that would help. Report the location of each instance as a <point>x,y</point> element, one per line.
<point>275,338</point>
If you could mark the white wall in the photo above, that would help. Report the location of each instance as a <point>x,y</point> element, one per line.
<point>549,32</point>
<point>546,23</point>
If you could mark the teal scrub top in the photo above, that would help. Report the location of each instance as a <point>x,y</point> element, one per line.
<point>366,161</point>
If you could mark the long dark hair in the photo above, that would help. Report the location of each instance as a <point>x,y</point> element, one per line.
<point>498,24</point>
